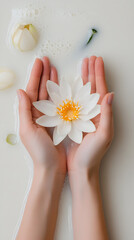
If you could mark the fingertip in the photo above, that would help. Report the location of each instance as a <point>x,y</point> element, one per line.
<point>23,95</point>
<point>45,59</point>
<point>85,60</point>
<point>92,59</point>
<point>37,63</point>
<point>36,70</point>
<point>85,63</point>
<point>100,59</point>
<point>20,90</point>
<point>99,66</point>
<point>110,98</point>
<point>20,93</point>
<point>37,59</point>
<point>46,67</point>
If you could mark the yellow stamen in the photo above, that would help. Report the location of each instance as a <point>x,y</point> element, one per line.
<point>27,26</point>
<point>69,110</point>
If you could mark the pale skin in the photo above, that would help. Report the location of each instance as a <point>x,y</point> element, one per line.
<point>51,163</point>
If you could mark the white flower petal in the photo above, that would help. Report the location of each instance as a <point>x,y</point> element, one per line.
<point>33,31</point>
<point>75,134</point>
<point>46,107</point>
<point>84,126</point>
<point>93,113</point>
<point>56,99</point>
<point>16,38</point>
<point>64,128</point>
<point>57,138</point>
<point>76,86</point>
<point>89,103</point>
<point>54,92</point>
<point>83,92</point>
<point>52,87</point>
<point>47,121</point>
<point>27,42</point>
<point>65,90</point>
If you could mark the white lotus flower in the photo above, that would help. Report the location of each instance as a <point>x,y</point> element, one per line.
<point>25,37</point>
<point>7,78</point>
<point>70,109</point>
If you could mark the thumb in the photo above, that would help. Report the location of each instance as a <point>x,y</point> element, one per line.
<point>25,114</point>
<point>106,120</point>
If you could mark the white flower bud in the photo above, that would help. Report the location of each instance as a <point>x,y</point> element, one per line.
<point>7,78</point>
<point>25,37</point>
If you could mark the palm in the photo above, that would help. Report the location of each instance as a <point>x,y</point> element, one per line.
<point>77,152</point>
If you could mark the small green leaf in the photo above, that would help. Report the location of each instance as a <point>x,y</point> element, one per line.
<point>11,139</point>
<point>94,31</point>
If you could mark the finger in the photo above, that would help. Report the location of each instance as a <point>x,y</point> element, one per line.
<point>44,78</point>
<point>101,86</point>
<point>54,75</point>
<point>106,120</point>
<point>85,70</point>
<point>33,84</point>
<point>25,113</point>
<point>92,73</point>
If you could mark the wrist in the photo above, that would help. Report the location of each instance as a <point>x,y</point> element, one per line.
<point>49,168</point>
<point>80,181</point>
<point>48,181</point>
<point>42,170</point>
<point>88,173</point>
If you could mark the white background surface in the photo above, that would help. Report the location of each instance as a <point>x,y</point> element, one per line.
<point>116,45</point>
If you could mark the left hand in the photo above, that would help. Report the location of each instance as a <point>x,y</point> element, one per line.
<point>36,139</point>
<point>86,157</point>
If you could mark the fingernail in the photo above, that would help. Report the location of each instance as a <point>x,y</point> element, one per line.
<point>110,98</point>
<point>19,94</point>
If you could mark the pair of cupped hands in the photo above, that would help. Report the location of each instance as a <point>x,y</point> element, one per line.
<point>84,157</point>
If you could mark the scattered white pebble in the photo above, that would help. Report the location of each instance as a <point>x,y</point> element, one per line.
<point>11,139</point>
<point>7,78</point>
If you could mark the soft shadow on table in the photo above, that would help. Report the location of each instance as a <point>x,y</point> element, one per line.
<point>109,177</point>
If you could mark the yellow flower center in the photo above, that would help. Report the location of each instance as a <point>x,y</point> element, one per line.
<point>69,110</point>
